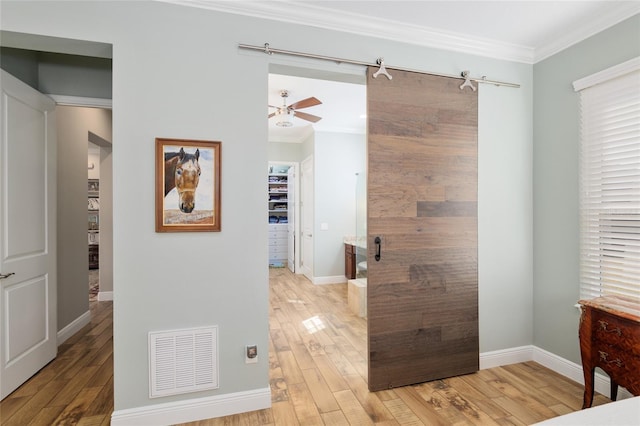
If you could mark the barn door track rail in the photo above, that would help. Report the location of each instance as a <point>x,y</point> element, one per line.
<point>266,48</point>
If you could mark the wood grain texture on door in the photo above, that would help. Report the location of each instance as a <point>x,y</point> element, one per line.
<point>422,295</point>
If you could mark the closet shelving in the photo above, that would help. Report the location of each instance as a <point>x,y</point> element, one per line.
<point>93,223</point>
<point>278,202</point>
<point>278,211</point>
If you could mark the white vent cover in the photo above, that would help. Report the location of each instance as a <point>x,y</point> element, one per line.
<point>182,361</point>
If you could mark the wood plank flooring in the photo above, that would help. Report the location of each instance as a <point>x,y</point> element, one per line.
<point>76,388</point>
<point>317,358</point>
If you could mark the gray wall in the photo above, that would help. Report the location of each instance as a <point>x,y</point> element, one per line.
<point>73,125</point>
<point>74,75</point>
<point>59,74</point>
<point>556,159</point>
<point>184,77</point>
<point>22,64</point>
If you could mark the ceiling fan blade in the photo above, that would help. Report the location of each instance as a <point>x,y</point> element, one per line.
<point>271,115</point>
<point>309,117</point>
<point>305,103</point>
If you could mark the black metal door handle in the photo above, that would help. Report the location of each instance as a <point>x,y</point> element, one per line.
<point>378,243</point>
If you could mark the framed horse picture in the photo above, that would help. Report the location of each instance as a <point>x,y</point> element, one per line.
<point>187,185</point>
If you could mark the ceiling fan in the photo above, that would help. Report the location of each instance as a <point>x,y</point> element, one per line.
<point>286,113</point>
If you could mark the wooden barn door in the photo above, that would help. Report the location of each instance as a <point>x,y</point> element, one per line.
<point>422,293</point>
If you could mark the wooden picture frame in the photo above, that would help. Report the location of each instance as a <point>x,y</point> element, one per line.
<point>187,185</point>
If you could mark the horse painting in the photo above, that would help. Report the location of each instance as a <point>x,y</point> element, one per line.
<point>182,171</point>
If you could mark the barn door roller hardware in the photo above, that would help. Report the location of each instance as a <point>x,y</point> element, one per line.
<point>380,62</point>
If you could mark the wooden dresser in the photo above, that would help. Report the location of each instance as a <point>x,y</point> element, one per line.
<point>610,339</point>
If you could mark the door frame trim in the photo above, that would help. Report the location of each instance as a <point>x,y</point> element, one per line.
<point>81,101</point>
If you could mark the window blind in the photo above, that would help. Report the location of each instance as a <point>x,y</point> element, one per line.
<point>610,187</point>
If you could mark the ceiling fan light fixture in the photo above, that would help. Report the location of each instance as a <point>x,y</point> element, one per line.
<point>284,118</point>
<point>284,114</point>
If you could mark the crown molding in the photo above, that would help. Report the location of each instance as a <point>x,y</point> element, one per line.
<point>326,18</point>
<point>343,130</point>
<point>81,101</point>
<point>320,17</point>
<point>587,29</point>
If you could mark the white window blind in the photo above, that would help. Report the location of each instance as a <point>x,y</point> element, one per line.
<point>610,187</point>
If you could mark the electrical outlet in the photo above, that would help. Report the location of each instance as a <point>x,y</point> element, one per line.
<point>251,354</point>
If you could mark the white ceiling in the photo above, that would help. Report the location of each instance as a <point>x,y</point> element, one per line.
<point>521,31</point>
<point>528,30</point>
<point>342,109</point>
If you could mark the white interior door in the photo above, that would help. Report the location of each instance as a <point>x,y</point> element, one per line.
<point>306,216</point>
<point>291,223</point>
<point>28,338</point>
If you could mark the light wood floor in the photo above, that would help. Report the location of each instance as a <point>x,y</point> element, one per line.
<point>317,359</point>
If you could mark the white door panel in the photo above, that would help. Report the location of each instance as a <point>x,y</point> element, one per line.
<point>306,217</point>
<point>28,326</point>
<point>291,224</point>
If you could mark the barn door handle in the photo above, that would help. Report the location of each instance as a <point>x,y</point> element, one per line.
<point>378,243</point>
<point>3,276</point>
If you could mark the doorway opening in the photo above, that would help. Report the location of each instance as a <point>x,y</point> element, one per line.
<point>100,228</point>
<point>327,141</point>
<point>283,215</point>
<point>91,92</point>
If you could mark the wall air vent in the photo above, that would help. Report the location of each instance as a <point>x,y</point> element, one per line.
<point>183,361</point>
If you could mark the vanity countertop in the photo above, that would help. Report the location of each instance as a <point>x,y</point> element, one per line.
<point>356,241</point>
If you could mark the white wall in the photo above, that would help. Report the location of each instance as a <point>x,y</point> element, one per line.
<point>284,151</point>
<point>338,157</point>
<point>182,75</point>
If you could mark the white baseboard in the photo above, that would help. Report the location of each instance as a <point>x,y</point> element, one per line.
<point>506,357</point>
<point>241,402</point>
<point>73,327</point>
<point>105,295</point>
<point>573,371</point>
<point>194,409</point>
<point>570,370</point>
<point>563,366</point>
<point>337,279</point>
